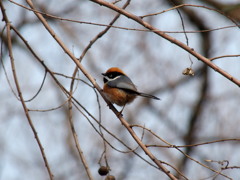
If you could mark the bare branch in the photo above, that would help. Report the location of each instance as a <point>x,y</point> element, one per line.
<point>169,38</point>
<point>9,42</point>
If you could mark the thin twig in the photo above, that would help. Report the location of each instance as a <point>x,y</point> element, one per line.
<point>178,148</point>
<point>169,38</point>
<point>44,78</point>
<point>9,43</point>
<point>99,35</point>
<point>225,56</point>
<point>193,5</point>
<point>192,145</point>
<point>88,113</point>
<point>76,140</point>
<point>118,27</point>
<point>84,71</point>
<point>3,66</point>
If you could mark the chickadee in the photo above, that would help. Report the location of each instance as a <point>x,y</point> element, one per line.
<point>119,89</point>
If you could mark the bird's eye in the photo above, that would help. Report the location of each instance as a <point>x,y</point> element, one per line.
<point>113,75</point>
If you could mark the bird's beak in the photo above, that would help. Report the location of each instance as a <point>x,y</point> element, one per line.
<point>103,74</point>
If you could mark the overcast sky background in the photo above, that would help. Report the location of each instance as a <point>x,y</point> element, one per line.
<point>155,66</point>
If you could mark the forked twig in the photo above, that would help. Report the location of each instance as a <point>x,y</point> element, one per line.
<point>9,43</point>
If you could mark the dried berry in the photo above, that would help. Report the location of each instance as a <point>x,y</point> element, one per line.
<point>103,170</point>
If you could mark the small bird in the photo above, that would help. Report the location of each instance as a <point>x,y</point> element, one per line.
<point>119,89</point>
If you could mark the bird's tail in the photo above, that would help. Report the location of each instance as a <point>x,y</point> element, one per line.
<point>148,96</point>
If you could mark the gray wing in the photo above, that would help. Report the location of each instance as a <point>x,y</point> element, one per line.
<point>122,82</point>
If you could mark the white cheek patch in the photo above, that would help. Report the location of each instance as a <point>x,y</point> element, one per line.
<point>112,79</point>
<point>108,80</point>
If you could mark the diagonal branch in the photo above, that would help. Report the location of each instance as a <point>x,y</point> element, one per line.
<point>169,38</point>
<point>9,43</point>
<point>85,72</point>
